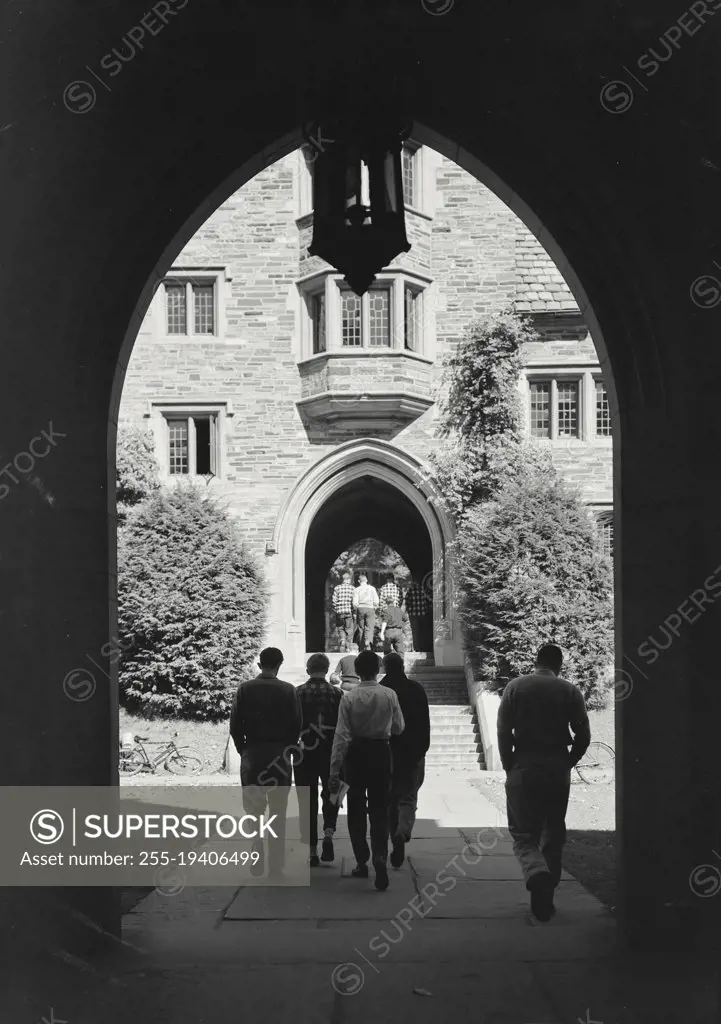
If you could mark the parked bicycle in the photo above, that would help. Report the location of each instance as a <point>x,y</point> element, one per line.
<point>178,760</point>
<point>598,764</point>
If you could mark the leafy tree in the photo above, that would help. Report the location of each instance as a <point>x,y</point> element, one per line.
<point>192,606</point>
<point>531,571</point>
<point>480,440</point>
<point>374,553</point>
<point>136,469</point>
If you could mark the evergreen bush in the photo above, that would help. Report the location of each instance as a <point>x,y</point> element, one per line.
<point>531,571</point>
<point>192,606</point>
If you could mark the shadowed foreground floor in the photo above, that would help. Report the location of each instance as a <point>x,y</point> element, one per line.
<point>339,952</point>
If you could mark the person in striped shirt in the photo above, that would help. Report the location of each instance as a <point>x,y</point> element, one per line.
<point>343,608</point>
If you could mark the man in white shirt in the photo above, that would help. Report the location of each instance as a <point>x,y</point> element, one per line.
<point>365,603</point>
<point>367,718</point>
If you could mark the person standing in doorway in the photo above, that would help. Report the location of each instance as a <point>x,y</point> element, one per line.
<point>408,751</point>
<point>343,608</point>
<point>393,620</point>
<point>365,605</point>
<point>417,606</point>
<point>319,702</point>
<point>534,718</point>
<point>345,674</point>
<point>367,718</point>
<point>264,722</point>
<point>390,593</point>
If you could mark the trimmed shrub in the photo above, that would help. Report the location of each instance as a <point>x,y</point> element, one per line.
<point>531,571</point>
<point>192,605</point>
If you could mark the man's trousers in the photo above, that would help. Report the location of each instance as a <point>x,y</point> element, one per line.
<point>366,626</point>
<point>394,641</point>
<point>265,776</point>
<point>368,767</point>
<point>345,628</point>
<point>420,627</point>
<point>537,800</point>
<point>406,781</point>
<point>314,767</point>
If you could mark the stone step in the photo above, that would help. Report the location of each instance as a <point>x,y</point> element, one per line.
<point>469,758</point>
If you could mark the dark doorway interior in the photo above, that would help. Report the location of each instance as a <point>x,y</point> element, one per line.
<point>367,507</point>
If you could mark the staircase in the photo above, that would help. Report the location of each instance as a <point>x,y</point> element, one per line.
<point>455,735</point>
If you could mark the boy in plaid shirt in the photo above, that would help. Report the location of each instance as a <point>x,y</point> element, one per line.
<point>319,702</point>
<point>343,608</point>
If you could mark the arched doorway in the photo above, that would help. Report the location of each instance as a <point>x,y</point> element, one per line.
<point>361,483</point>
<point>365,507</point>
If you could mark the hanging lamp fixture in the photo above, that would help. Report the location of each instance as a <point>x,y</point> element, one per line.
<point>358,211</point>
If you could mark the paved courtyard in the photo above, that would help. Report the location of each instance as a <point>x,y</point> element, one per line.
<point>450,940</point>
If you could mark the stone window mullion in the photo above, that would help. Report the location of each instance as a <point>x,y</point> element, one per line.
<point>189,309</point>
<point>553,411</point>
<point>365,322</point>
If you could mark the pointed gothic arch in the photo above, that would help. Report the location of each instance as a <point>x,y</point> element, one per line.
<point>390,464</point>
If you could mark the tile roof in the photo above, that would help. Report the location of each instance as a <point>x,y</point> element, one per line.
<point>540,286</point>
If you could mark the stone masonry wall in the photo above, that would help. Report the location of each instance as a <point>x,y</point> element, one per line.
<point>478,256</point>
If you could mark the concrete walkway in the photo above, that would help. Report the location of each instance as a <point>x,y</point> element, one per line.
<point>450,941</point>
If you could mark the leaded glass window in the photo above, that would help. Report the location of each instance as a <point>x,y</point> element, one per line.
<point>204,303</point>
<point>176,307</point>
<point>379,317</point>
<point>540,409</point>
<point>603,411</point>
<point>567,408</point>
<point>408,162</point>
<point>178,462</point>
<point>317,312</point>
<point>412,319</point>
<point>351,317</point>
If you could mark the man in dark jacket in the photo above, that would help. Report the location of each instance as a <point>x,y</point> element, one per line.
<point>409,754</point>
<point>534,718</point>
<point>319,702</point>
<point>264,723</point>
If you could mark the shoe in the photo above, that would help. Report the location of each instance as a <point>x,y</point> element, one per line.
<point>398,853</point>
<point>381,871</point>
<point>327,854</point>
<point>314,862</point>
<point>541,888</point>
<point>258,868</point>
<point>360,871</point>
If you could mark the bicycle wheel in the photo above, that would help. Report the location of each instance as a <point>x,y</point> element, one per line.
<point>598,764</point>
<point>131,762</point>
<point>184,761</point>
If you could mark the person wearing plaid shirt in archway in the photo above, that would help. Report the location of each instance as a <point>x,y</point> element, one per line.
<point>417,605</point>
<point>389,593</point>
<point>343,608</point>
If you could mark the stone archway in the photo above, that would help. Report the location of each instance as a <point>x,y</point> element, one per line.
<point>392,469</point>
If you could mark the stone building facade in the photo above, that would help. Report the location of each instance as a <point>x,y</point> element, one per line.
<point>312,412</point>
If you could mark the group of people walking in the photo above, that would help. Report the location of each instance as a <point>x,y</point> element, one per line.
<point>359,609</point>
<point>372,735</point>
